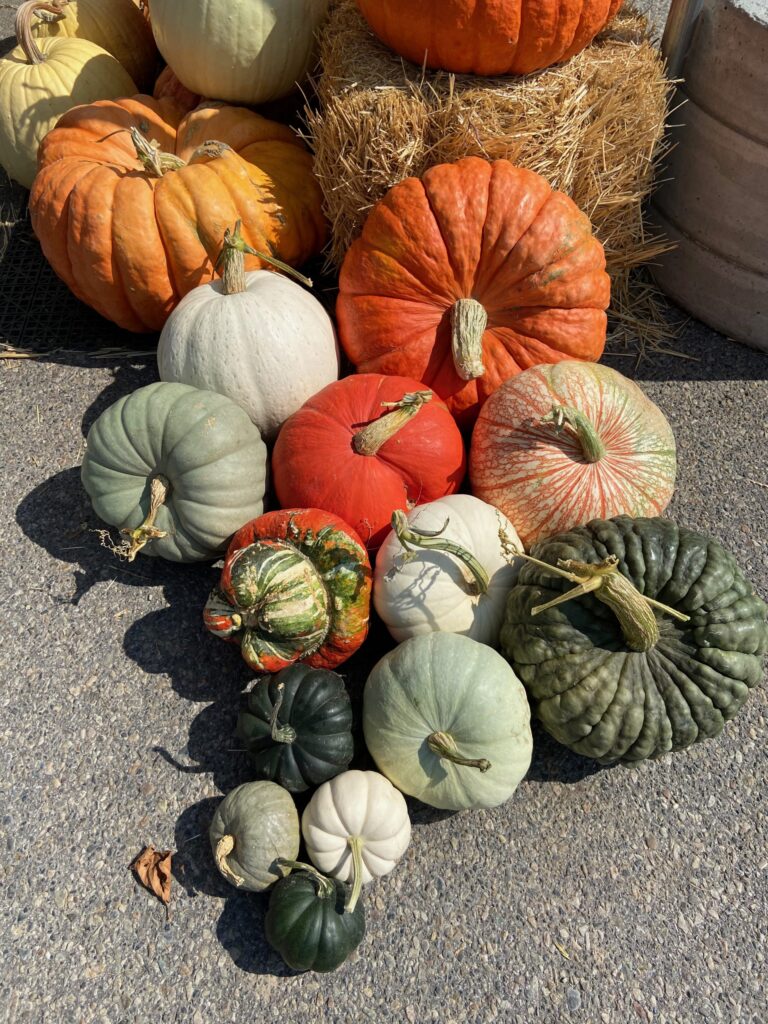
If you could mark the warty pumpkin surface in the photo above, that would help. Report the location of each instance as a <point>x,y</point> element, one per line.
<point>131,234</point>
<point>613,676</point>
<point>467,276</point>
<point>488,37</point>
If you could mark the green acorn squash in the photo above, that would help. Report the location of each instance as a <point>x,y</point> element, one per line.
<point>308,923</point>
<point>297,727</point>
<point>660,649</point>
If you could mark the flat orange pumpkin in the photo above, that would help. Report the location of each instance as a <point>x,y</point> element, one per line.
<point>131,228</point>
<point>469,275</point>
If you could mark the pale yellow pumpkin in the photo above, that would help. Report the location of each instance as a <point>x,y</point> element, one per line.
<point>118,26</point>
<point>40,81</point>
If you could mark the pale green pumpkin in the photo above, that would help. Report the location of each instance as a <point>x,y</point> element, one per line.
<point>447,721</point>
<point>177,469</point>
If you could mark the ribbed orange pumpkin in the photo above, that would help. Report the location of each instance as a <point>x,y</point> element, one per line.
<point>488,37</point>
<point>465,277</point>
<point>131,236</point>
<point>561,445</point>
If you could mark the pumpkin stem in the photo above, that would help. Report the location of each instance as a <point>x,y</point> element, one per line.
<point>442,744</point>
<point>468,323</point>
<point>325,887</point>
<point>563,416</point>
<point>232,262</point>
<point>412,538</point>
<point>155,161</point>
<point>23,27</point>
<point>368,440</point>
<point>224,847</point>
<point>159,489</point>
<point>356,846</point>
<point>633,609</point>
<point>280,733</point>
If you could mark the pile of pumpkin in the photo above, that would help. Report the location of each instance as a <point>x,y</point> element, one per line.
<point>473,304</point>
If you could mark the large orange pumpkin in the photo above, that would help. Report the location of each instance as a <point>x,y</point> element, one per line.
<point>465,277</point>
<point>132,228</point>
<point>488,37</point>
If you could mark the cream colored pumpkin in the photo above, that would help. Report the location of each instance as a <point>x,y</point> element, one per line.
<point>40,81</point>
<point>447,567</point>
<point>258,338</point>
<point>356,828</point>
<point>241,51</point>
<point>117,26</point>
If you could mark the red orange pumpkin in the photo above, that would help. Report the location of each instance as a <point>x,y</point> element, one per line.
<point>132,199</point>
<point>365,446</point>
<point>465,277</point>
<point>488,37</point>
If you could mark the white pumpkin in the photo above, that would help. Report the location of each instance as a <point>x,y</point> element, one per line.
<point>446,568</point>
<point>258,338</point>
<point>356,827</point>
<point>241,51</point>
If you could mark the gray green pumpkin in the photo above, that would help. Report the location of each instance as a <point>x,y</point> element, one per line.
<point>176,469</point>
<point>254,829</point>
<point>297,727</point>
<point>657,647</point>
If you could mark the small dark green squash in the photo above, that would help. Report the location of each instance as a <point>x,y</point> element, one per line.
<point>660,649</point>
<point>307,923</point>
<point>297,727</point>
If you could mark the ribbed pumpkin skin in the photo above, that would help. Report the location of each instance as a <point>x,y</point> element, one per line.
<point>476,229</point>
<point>202,443</point>
<point>34,96</point>
<point>118,26</point>
<point>316,706</point>
<point>168,87</point>
<point>312,932</point>
<point>594,694</point>
<point>314,463</point>
<point>488,37</point>
<point>445,683</point>
<point>131,244</point>
<point>311,570</point>
<point>262,819</point>
<point>539,477</point>
<point>244,52</point>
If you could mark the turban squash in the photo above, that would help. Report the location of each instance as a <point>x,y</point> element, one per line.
<point>488,37</point>
<point>132,228</point>
<point>468,275</point>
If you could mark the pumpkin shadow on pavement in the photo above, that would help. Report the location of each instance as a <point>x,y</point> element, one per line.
<point>126,379</point>
<point>552,762</point>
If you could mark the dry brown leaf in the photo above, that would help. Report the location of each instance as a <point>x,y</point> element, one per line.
<point>153,869</point>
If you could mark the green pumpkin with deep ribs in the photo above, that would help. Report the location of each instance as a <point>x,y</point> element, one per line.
<point>613,675</point>
<point>297,727</point>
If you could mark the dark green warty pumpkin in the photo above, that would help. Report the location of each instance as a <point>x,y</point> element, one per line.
<point>308,924</point>
<point>656,649</point>
<point>297,727</point>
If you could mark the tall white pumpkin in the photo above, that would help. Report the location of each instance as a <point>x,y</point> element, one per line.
<point>241,51</point>
<point>258,338</point>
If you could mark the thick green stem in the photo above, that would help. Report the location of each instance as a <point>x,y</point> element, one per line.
<point>356,844</point>
<point>325,887</point>
<point>154,160</point>
<point>412,538</point>
<point>23,27</point>
<point>443,745</point>
<point>563,416</point>
<point>159,489</point>
<point>232,260</point>
<point>468,323</point>
<point>224,847</point>
<point>280,733</point>
<point>368,440</point>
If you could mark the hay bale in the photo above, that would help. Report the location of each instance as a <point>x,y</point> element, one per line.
<point>593,127</point>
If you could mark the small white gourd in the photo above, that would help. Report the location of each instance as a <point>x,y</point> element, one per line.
<point>447,567</point>
<point>356,827</point>
<point>258,338</point>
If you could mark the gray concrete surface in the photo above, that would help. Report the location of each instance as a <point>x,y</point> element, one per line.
<point>600,897</point>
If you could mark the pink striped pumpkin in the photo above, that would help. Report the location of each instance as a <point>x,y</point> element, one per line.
<point>559,445</point>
